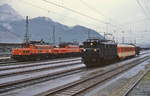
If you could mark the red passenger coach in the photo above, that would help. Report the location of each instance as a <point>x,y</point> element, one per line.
<point>126,50</point>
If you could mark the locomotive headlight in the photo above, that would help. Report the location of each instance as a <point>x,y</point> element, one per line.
<point>91,44</point>
<point>84,50</point>
<point>95,50</point>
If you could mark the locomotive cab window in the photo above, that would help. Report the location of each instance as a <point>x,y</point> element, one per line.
<point>90,44</point>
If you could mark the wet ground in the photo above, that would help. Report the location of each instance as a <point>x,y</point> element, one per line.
<point>143,88</point>
<point>41,87</point>
<point>104,90</point>
<point>120,84</point>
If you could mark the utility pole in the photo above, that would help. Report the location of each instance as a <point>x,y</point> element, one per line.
<point>104,35</point>
<point>107,24</point>
<point>26,40</point>
<point>114,31</point>
<point>54,34</point>
<point>122,36</point>
<point>88,33</point>
<point>59,40</point>
<point>50,38</point>
<point>135,41</point>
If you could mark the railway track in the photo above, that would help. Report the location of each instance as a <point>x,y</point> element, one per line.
<point>31,81</point>
<point>9,61</point>
<point>135,84</point>
<point>16,78</point>
<point>80,86</point>
<point>16,66</point>
<point>14,81</point>
<point>6,61</point>
<point>38,68</point>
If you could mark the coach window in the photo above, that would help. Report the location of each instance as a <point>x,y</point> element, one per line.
<point>27,51</point>
<point>40,50</point>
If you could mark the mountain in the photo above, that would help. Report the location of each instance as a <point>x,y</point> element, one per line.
<point>8,14</point>
<point>39,28</point>
<point>7,37</point>
<point>42,28</point>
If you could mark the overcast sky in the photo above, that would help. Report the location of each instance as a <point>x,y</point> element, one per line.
<point>124,15</point>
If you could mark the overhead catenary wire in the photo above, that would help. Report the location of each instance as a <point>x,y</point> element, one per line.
<point>35,6</point>
<point>79,13</point>
<point>143,9</point>
<point>74,11</point>
<point>47,10</point>
<point>137,21</point>
<point>96,25</point>
<point>92,8</point>
<point>100,13</point>
<point>95,10</point>
<point>87,22</point>
<point>146,2</point>
<point>50,11</point>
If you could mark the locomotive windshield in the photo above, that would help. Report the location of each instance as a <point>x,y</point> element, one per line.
<point>91,43</point>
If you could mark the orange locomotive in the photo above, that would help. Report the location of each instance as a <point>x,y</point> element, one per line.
<point>39,51</point>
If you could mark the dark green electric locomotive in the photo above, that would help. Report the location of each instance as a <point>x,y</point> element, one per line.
<point>98,52</point>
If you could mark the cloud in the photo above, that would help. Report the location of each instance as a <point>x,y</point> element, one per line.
<point>121,11</point>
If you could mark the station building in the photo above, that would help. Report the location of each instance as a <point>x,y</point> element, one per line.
<point>6,48</point>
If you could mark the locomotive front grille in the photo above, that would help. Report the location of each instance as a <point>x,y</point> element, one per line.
<point>91,52</point>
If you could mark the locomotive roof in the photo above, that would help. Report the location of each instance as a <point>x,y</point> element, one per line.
<point>41,42</point>
<point>102,41</point>
<point>125,45</point>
